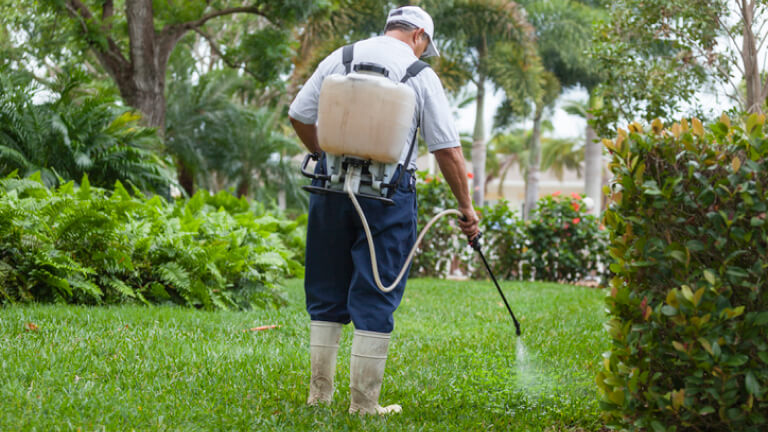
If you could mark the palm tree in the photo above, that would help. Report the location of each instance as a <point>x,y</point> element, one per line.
<point>255,156</point>
<point>513,148</point>
<point>563,32</point>
<point>197,116</point>
<point>593,151</point>
<point>472,29</point>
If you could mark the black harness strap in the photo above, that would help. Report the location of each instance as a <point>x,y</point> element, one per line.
<point>414,70</point>
<point>411,72</point>
<point>346,57</point>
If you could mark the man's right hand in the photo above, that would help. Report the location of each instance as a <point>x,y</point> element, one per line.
<point>469,223</point>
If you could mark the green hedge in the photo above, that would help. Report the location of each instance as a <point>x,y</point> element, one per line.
<point>560,242</point>
<point>688,305</point>
<point>86,245</point>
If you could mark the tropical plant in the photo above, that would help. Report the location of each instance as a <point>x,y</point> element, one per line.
<point>78,131</point>
<point>224,144</point>
<point>563,35</point>
<point>561,243</point>
<point>437,250</point>
<point>564,243</point>
<point>474,29</point>
<point>87,245</point>
<point>509,149</point>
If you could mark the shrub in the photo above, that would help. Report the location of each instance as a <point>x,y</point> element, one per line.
<point>563,242</point>
<point>89,246</point>
<point>688,304</point>
<point>441,243</point>
<point>504,244</point>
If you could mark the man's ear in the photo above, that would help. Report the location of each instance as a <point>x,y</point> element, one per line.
<point>417,35</point>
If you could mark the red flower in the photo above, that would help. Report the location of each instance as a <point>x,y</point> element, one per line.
<point>575,195</point>
<point>470,175</point>
<point>575,206</point>
<point>602,227</point>
<point>554,194</point>
<point>428,180</point>
<point>566,226</point>
<point>576,221</point>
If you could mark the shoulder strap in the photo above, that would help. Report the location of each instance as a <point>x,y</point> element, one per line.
<point>414,70</point>
<point>411,72</point>
<point>346,57</point>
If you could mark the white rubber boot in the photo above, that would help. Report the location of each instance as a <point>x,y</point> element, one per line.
<point>323,346</point>
<point>366,371</point>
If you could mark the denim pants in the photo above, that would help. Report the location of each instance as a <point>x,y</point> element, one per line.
<point>338,281</point>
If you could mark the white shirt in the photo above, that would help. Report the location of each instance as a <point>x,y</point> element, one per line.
<point>437,126</point>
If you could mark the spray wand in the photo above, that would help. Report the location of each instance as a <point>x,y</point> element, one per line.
<point>475,243</point>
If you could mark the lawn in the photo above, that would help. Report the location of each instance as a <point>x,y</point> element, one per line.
<point>455,364</point>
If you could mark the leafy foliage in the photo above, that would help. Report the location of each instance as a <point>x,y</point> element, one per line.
<point>74,134</point>
<point>561,242</point>
<point>688,304</point>
<point>86,245</point>
<point>229,145</point>
<point>655,55</point>
<point>439,245</point>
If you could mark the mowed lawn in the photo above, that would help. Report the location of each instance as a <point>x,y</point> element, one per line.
<point>455,364</point>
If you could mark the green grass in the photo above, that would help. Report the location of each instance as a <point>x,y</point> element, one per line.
<point>455,364</point>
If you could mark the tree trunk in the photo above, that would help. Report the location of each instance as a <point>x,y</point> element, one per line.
<point>534,161</point>
<point>478,136</point>
<point>593,168</point>
<point>145,90</point>
<point>186,178</point>
<point>243,187</point>
<point>749,56</point>
<point>478,148</point>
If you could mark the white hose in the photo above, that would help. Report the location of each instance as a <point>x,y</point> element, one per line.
<point>353,176</point>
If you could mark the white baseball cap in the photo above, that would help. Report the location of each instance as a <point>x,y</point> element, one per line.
<point>421,19</point>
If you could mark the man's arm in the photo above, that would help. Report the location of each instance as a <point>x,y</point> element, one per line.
<point>451,161</point>
<point>307,134</point>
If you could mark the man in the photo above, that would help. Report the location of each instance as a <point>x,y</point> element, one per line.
<point>339,283</point>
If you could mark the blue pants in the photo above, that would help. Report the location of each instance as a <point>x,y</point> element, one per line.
<point>338,281</point>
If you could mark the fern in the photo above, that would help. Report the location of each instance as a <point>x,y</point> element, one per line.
<point>92,246</point>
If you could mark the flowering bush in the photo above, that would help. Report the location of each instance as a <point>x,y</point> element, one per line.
<point>561,242</point>
<point>504,244</point>
<point>564,243</point>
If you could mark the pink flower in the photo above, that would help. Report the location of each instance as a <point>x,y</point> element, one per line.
<point>602,227</point>
<point>566,226</point>
<point>554,194</point>
<point>575,195</point>
<point>576,221</point>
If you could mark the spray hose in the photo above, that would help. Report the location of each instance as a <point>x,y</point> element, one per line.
<point>350,183</point>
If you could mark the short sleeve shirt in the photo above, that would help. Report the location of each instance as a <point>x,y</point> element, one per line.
<point>432,110</point>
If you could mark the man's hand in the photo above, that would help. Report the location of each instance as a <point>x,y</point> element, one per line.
<point>469,224</point>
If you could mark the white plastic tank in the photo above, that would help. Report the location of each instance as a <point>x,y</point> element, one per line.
<point>365,115</point>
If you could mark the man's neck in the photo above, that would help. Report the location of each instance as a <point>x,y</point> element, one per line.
<point>402,37</point>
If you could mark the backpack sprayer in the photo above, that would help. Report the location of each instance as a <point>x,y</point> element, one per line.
<point>363,124</point>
